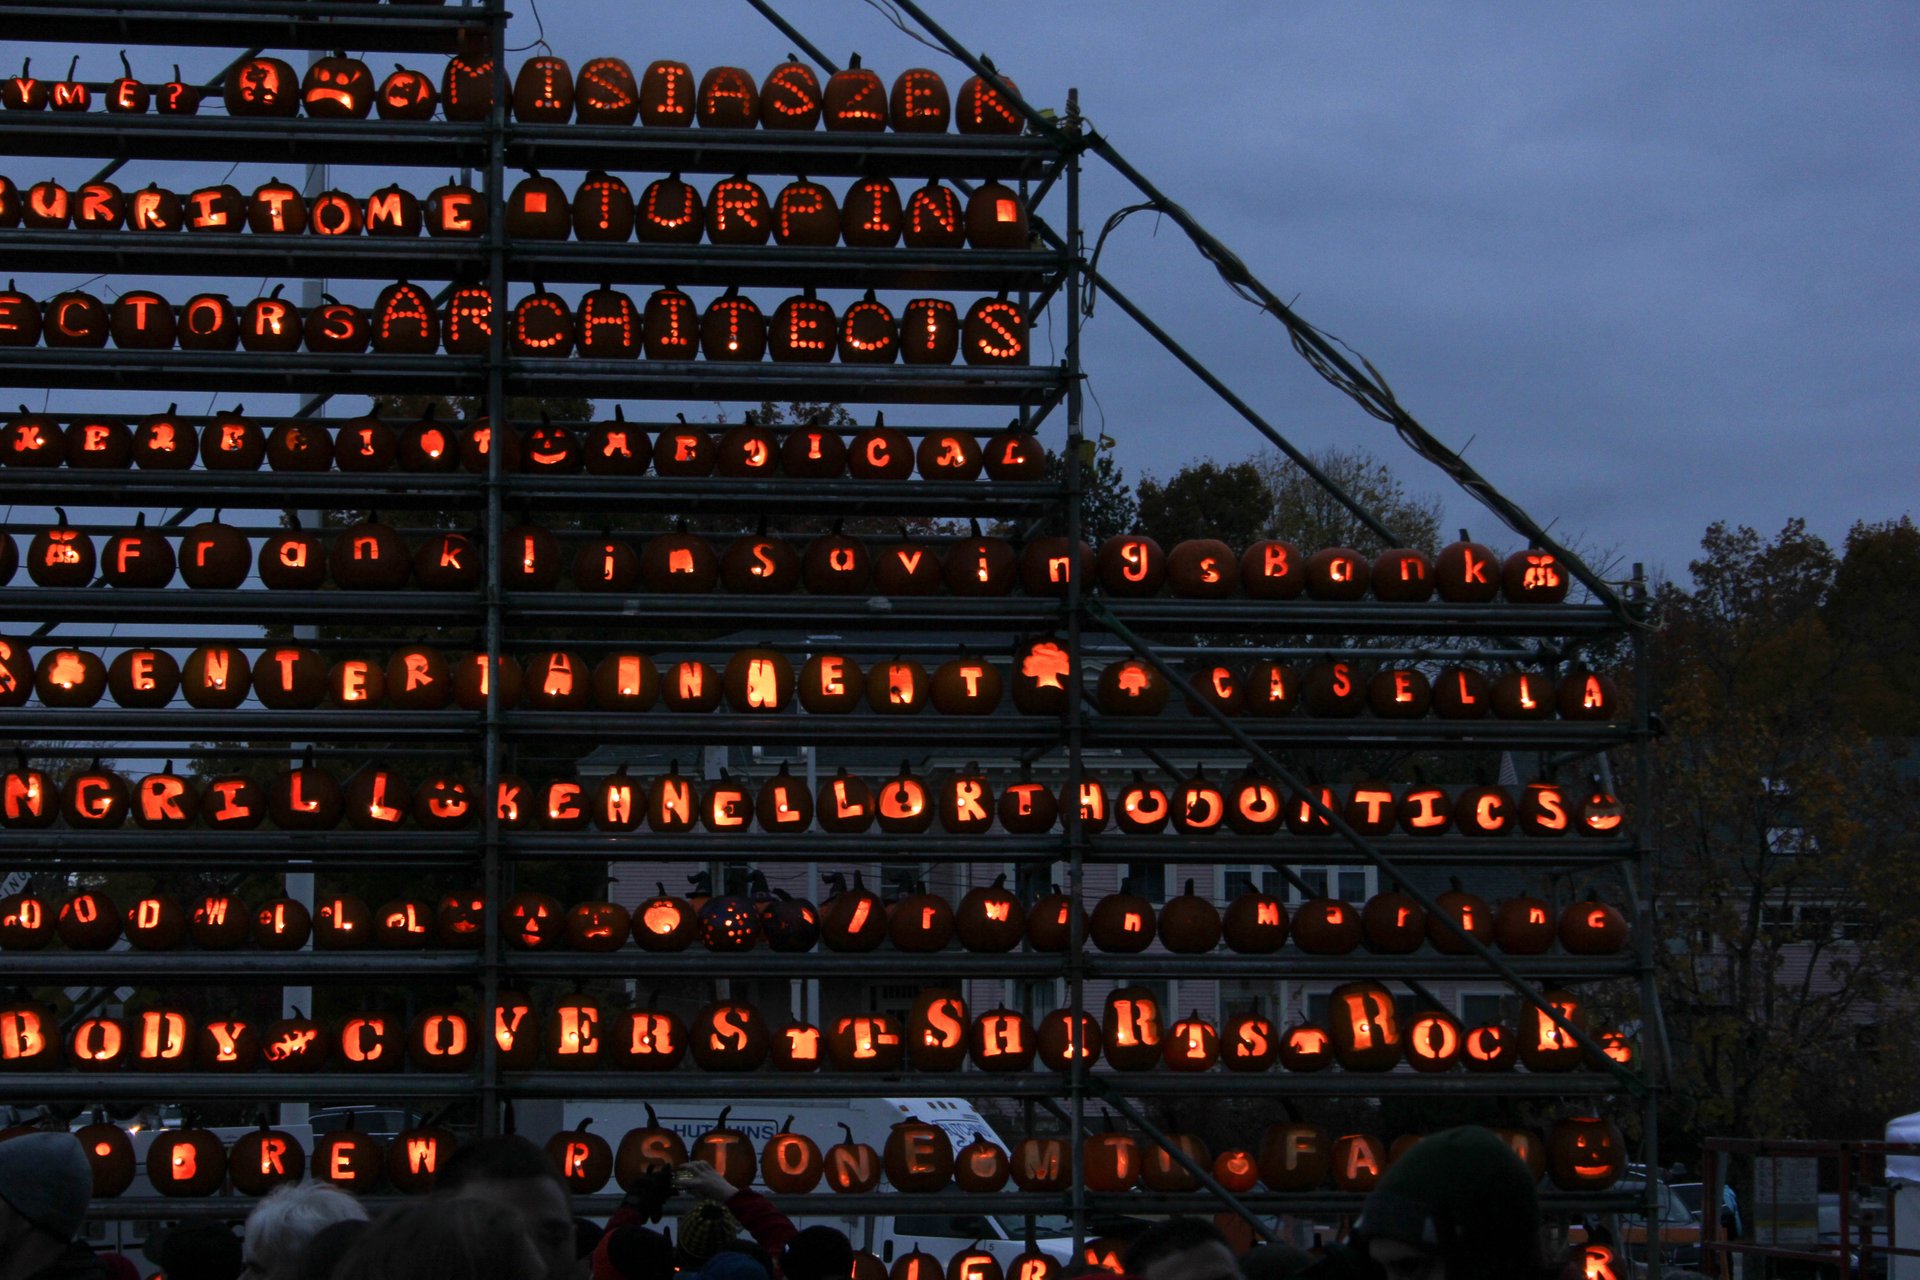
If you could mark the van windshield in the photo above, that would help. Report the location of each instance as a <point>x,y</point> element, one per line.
<point>1044,1224</point>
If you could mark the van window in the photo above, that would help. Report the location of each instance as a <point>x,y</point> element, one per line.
<point>966,1226</point>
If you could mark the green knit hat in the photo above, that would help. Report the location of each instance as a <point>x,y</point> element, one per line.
<point>1466,1196</point>
<point>705,1228</point>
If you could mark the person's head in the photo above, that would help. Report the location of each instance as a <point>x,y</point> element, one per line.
<point>290,1215</point>
<point>817,1253</point>
<point>199,1251</point>
<point>442,1239</point>
<point>1459,1206</point>
<point>1182,1249</point>
<point>1274,1262</point>
<point>634,1253</point>
<point>705,1229</point>
<point>736,1263</point>
<point>514,1176</point>
<point>321,1256</point>
<point>45,1186</point>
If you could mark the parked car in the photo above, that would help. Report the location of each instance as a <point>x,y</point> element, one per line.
<point>1677,1234</point>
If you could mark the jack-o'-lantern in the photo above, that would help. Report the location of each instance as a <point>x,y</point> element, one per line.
<point>737,212</point>
<point>918,1157</point>
<point>920,922</point>
<point>541,324</point>
<point>919,103</point>
<point>20,324</point>
<point>853,1168</point>
<point>981,1166</point>
<point>1001,1040</point>
<point>1600,813</point>
<point>94,798</point>
<point>729,924</point>
<point>1255,923</point>
<point>69,678</point>
<point>1254,805</point>
<point>728,1150</point>
<point>276,208</point>
<point>831,684</point>
<point>984,108</point>
<point>804,330</point>
<point>789,924</point>
<point>796,1046</point>
<point>404,924</point>
<point>186,1162</point>
<point>853,918</point>
<point>1466,573</point>
<point>1587,696</point>
<point>1593,928</point>
<point>870,1043</point>
<point>937,1029</point>
<point>790,98</point>
<point>1467,910</point>
<point>466,89</point>
<point>1545,1045</point>
<point>994,333</point>
<point>515,1032</point>
<point>733,329</point>
<point>791,1163</point>
<point>337,327</point>
<point>575,1037</point>
<point>1142,808</point>
<point>300,445</point>
<point>583,1161</point>
<point>1357,1161</point>
<point>1490,1047</point>
<point>533,921</point>
<point>806,214</point>
<point>619,802</point>
<point>1401,576</point>
<point>609,327</point>
<point>1424,811</point>
<point>529,559</point>
<point>1484,811</point>
<point>125,96</point>
<point>871,215</point>
<point>605,92</point>
<point>26,920</point>
<point>447,562</point>
<point>855,100</point>
<point>669,329</point>
<point>342,923</point>
<point>670,212</point>
<point>613,447</point>
<point>968,686</point>
<point>33,440</point>
<point>664,923</point>
<point>1236,1170</point>
<point>728,98</point>
<point>98,206</point>
<point>868,333</point>
<point>77,319</point>
<point>1161,1171</point>
<point>1534,576</point>
<point>667,95</point>
<point>903,804</point>
<point>543,91</point>
<point>1399,693</point>
<point>48,206</point>
<point>986,566</point>
<point>369,1042</point>
<point>1393,924</point>
<point>1336,688</point>
<point>393,211</point>
<point>844,803</point>
<point>649,1039</point>
<point>1027,807</point>
<point>1365,1025</point>
<point>141,320</point>
<point>406,94</point>
<point>1064,1037</point>
<point>965,799</point>
<point>444,802</point>
<point>653,1146</point>
<point>414,1157</point>
<point>1248,1042</point>
<point>996,218</point>
<point>748,451</point>
<point>295,1044</point>
<point>758,680</point>
<point>1294,1157</point>
<point>690,686</point>
<point>455,210</point>
<point>1041,1164</point>
<point>1524,926</point>
<point>1434,1042</point>
<point>1338,573</point>
<point>1191,1044</point>
<point>156,923</point>
<point>929,332</point>
<point>348,1159</point>
<point>1190,924</point>
<point>165,801</point>
<point>1524,695</point>
<point>1197,805</point>
<point>261,86</point>
<point>29,1037</point>
<point>1051,921</point>
<point>1130,1034</point>
<point>279,924</point>
<point>337,88</point>
<point>1585,1153</point>
<point>1131,565</point>
<point>899,686</point>
<point>176,97</point>
<point>98,443</point>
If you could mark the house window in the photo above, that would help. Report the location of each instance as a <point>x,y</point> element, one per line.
<point>1478,1008</point>
<point>1354,884</point>
<point>1148,879</point>
<point>1237,878</point>
<point>1789,842</point>
<point>1034,997</point>
<point>1248,995</point>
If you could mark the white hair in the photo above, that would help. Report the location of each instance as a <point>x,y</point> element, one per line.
<point>290,1215</point>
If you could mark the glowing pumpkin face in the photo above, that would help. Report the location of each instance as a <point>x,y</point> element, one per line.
<point>1585,1153</point>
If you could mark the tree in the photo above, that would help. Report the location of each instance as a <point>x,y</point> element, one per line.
<point>1107,505</point>
<point>1207,500</point>
<point>1307,514</point>
<point>1789,867</point>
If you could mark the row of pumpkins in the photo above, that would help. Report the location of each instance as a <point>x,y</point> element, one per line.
<point>1580,1153</point>
<point>232,441</point>
<point>871,214</point>
<point>606,324</point>
<point>989,918</point>
<point>546,91</point>
<point>764,681</point>
<point>967,801</point>
<point>1364,1031</point>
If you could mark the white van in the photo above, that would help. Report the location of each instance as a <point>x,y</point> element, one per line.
<point>870,1119</point>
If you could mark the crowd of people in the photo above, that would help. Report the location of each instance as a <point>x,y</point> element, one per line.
<point>1458,1206</point>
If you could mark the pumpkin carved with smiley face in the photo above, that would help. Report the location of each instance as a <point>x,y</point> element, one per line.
<point>1586,1153</point>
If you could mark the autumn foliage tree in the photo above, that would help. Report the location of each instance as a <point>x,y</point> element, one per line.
<point>1788,888</point>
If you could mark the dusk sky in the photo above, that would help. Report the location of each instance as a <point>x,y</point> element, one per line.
<point>1655,262</point>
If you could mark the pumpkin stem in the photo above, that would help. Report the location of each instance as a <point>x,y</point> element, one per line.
<point>653,1121</point>
<point>582,1126</point>
<point>59,511</point>
<point>848,1130</point>
<point>1189,888</point>
<point>788,1126</point>
<point>72,66</point>
<point>721,1119</point>
<point>125,65</point>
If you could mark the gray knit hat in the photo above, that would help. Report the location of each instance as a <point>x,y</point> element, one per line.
<point>47,1180</point>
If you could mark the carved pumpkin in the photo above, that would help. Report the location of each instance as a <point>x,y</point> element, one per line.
<point>853,1168</point>
<point>186,1162</point>
<point>996,218</point>
<point>871,215</point>
<point>583,1161</point>
<point>855,100</point>
<point>1294,1157</point>
<point>653,1146</point>
<point>261,86</point>
<point>790,98</point>
<point>1593,928</point>
<point>994,333</point>
<point>791,1163</point>
<point>728,1150</point>
<point>983,108</point>
<point>667,95</point>
<point>543,91</point>
<point>1365,1026</point>
<point>737,212</point>
<point>1585,1153</point>
<point>670,212</point>
<point>605,92</point>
